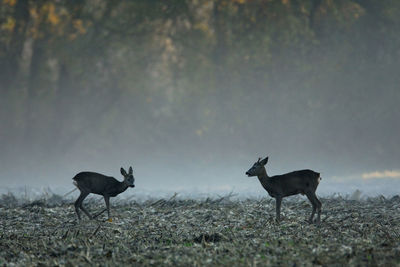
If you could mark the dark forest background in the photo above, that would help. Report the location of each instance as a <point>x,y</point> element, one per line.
<point>182,88</point>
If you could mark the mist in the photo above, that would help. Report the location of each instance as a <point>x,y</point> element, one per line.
<point>192,93</point>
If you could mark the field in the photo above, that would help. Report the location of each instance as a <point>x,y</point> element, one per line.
<point>185,232</point>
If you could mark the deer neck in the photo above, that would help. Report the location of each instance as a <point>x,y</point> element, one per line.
<point>122,187</point>
<point>264,179</point>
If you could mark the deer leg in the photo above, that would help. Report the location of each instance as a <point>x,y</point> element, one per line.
<point>78,204</point>
<point>77,207</point>
<point>83,208</point>
<point>278,208</point>
<point>98,214</point>
<point>319,205</point>
<point>107,200</point>
<point>311,196</point>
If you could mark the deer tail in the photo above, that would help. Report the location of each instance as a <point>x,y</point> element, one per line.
<point>319,177</point>
<point>71,191</point>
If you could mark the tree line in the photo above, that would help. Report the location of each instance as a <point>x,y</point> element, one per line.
<point>186,71</point>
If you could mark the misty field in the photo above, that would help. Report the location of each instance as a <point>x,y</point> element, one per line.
<point>185,232</point>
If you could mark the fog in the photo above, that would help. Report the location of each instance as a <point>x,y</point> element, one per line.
<point>192,93</point>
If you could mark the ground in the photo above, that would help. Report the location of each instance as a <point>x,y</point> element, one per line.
<point>202,232</point>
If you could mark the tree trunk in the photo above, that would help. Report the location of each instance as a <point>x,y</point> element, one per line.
<point>10,66</point>
<point>32,120</point>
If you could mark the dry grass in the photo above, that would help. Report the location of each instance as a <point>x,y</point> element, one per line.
<point>201,232</point>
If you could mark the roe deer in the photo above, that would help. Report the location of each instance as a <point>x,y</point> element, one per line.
<point>292,183</point>
<point>96,183</point>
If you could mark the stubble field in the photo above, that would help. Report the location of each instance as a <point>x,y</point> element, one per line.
<point>185,232</point>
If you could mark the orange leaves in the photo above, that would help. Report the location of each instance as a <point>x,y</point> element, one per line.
<point>78,25</point>
<point>10,2</point>
<point>79,29</point>
<point>8,22</point>
<point>54,21</point>
<point>52,16</point>
<point>35,16</point>
<point>9,25</point>
<point>352,11</point>
<point>204,28</point>
<point>285,2</point>
<point>228,2</point>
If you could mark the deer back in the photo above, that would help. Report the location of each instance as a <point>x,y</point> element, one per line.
<point>296,182</point>
<point>97,183</point>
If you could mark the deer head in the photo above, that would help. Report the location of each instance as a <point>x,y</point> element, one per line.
<point>257,168</point>
<point>129,180</point>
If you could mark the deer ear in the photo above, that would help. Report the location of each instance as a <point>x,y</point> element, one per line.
<point>130,170</point>
<point>123,172</point>
<point>264,161</point>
